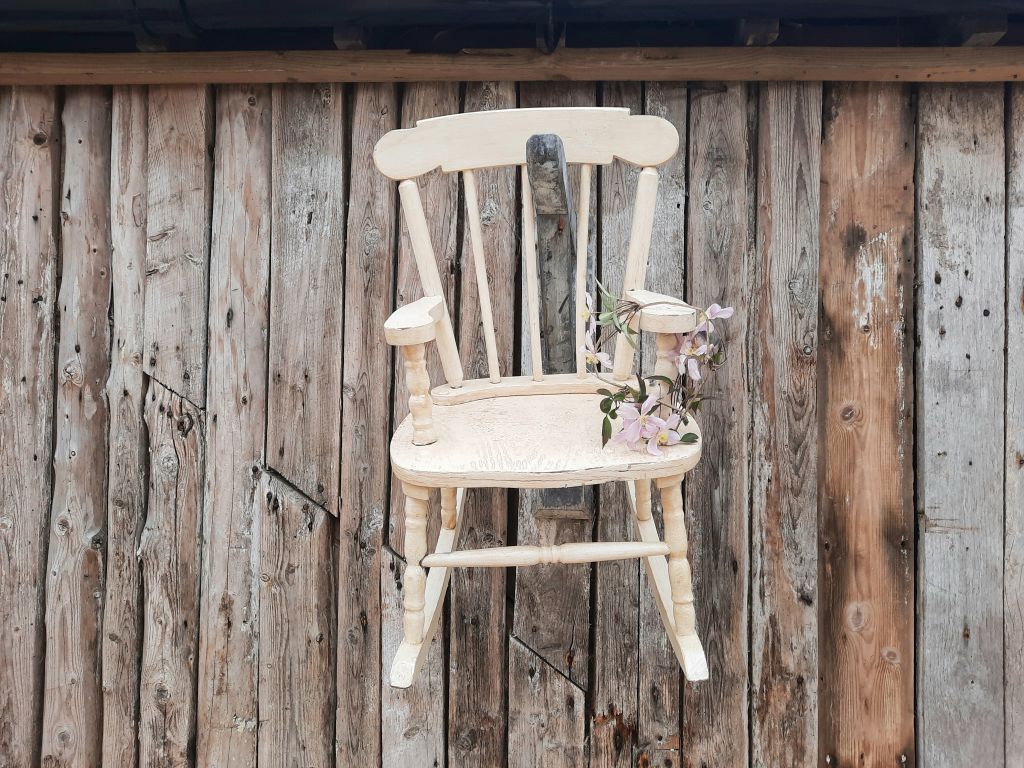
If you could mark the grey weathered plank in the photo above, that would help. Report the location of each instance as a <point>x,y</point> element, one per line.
<point>720,250</point>
<point>865,376</point>
<point>613,725</point>
<point>29,158</point>
<point>73,709</point>
<point>960,368</point>
<point>477,705</point>
<point>365,433</point>
<point>1013,578</point>
<point>125,392</point>
<point>296,628</point>
<point>178,209</point>
<point>783,356</point>
<point>307,240</point>
<point>545,719</point>
<point>236,396</point>
<point>169,550</point>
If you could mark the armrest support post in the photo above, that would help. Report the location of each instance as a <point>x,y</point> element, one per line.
<point>664,365</point>
<point>421,406</point>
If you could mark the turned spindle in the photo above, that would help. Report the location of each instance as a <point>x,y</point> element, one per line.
<point>421,406</point>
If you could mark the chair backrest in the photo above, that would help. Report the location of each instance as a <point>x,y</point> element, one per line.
<point>467,142</point>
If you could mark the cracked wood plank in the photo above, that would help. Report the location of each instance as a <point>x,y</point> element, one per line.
<point>307,242</point>
<point>960,385</point>
<point>866,507</point>
<point>784,615</point>
<point>29,172</point>
<point>478,663</point>
<point>178,234</point>
<point>73,710</point>
<point>125,392</point>
<point>720,242</point>
<point>297,623</point>
<point>365,432</point>
<point>236,401</point>
<point>169,551</point>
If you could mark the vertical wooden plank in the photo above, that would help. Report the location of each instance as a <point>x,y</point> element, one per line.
<point>1013,578</point>
<point>125,392</point>
<point>236,402</point>
<point>72,713</point>
<point>960,387</point>
<point>477,705</point>
<point>413,726</point>
<point>296,625</point>
<point>613,725</point>
<point>178,209</point>
<point>365,434</point>
<point>783,358</point>
<point>169,551</point>
<point>720,241</point>
<point>307,240</point>
<point>29,156</point>
<point>866,518</point>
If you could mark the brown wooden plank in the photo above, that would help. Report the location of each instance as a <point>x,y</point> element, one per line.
<point>545,719</point>
<point>365,431</point>
<point>477,705</point>
<point>307,240</point>
<point>177,266</point>
<point>783,357</point>
<point>29,157</point>
<point>866,512</point>
<point>73,709</point>
<point>810,63</point>
<point>960,385</point>
<point>613,721</point>
<point>236,402</point>
<point>169,550</point>
<point>125,392</point>
<point>720,239</point>
<point>297,643</point>
<point>1013,577</point>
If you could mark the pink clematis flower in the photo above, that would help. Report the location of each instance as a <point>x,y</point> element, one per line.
<point>713,312</point>
<point>638,425</point>
<point>667,434</point>
<point>692,347</point>
<point>591,355</point>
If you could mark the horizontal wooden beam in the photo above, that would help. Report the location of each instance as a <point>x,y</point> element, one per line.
<point>510,557</point>
<point>739,63</point>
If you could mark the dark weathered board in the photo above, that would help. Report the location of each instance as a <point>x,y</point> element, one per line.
<point>783,359</point>
<point>236,398</point>
<point>478,656</point>
<point>865,383</point>
<point>720,234</point>
<point>73,710</point>
<point>960,403</point>
<point>29,175</point>
<point>369,253</point>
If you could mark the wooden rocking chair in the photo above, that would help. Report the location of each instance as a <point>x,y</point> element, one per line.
<point>503,431</point>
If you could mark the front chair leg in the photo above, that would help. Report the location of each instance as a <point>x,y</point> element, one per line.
<point>416,505</point>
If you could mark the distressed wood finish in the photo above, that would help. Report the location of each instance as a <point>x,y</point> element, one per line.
<point>72,715</point>
<point>297,623</point>
<point>236,399</point>
<point>29,157</point>
<point>364,435</point>
<point>960,365</point>
<point>125,392</point>
<point>784,607</point>
<point>178,234</point>
<point>169,550</point>
<point>865,377</point>
<point>720,240</point>
<point>307,240</point>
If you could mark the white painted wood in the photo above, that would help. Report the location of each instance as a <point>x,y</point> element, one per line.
<point>536,441</point>
<point>420,404</point>
<point>532,286</point>
<point>593,135</point>
<point>415,323</point>
<point>552,384</point>
<point>582,231</point>
<point>476,238</point>
<point>662,314</point>
<point>513,557</point>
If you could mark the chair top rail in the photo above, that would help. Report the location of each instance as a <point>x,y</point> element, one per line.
<point>495,138</point>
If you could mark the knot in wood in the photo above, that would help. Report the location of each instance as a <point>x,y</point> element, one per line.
<point>168,461</point>
<point>73,372</point>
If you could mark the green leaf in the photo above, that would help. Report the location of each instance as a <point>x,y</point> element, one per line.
<point>663,379</point>
<point>689,438</point>
<point>605,392</point>
<point>606,405</point>
<point>606,431</point>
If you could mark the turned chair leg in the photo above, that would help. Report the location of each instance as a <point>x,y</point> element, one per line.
<point>683,615</point>
<point>416,505</point>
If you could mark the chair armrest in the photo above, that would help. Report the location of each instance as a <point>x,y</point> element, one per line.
<point>414,323</point>
<point>662,314</point>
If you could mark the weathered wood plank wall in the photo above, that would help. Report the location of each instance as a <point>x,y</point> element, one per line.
<point>199,564</point>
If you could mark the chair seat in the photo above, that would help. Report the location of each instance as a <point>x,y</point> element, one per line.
<point>529,441</point>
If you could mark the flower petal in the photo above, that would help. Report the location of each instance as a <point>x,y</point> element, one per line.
<point>628,412</point>
<point>649,403</point>
<point>693,369</point>
<point>652,446</point>
<point>672,421</point>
